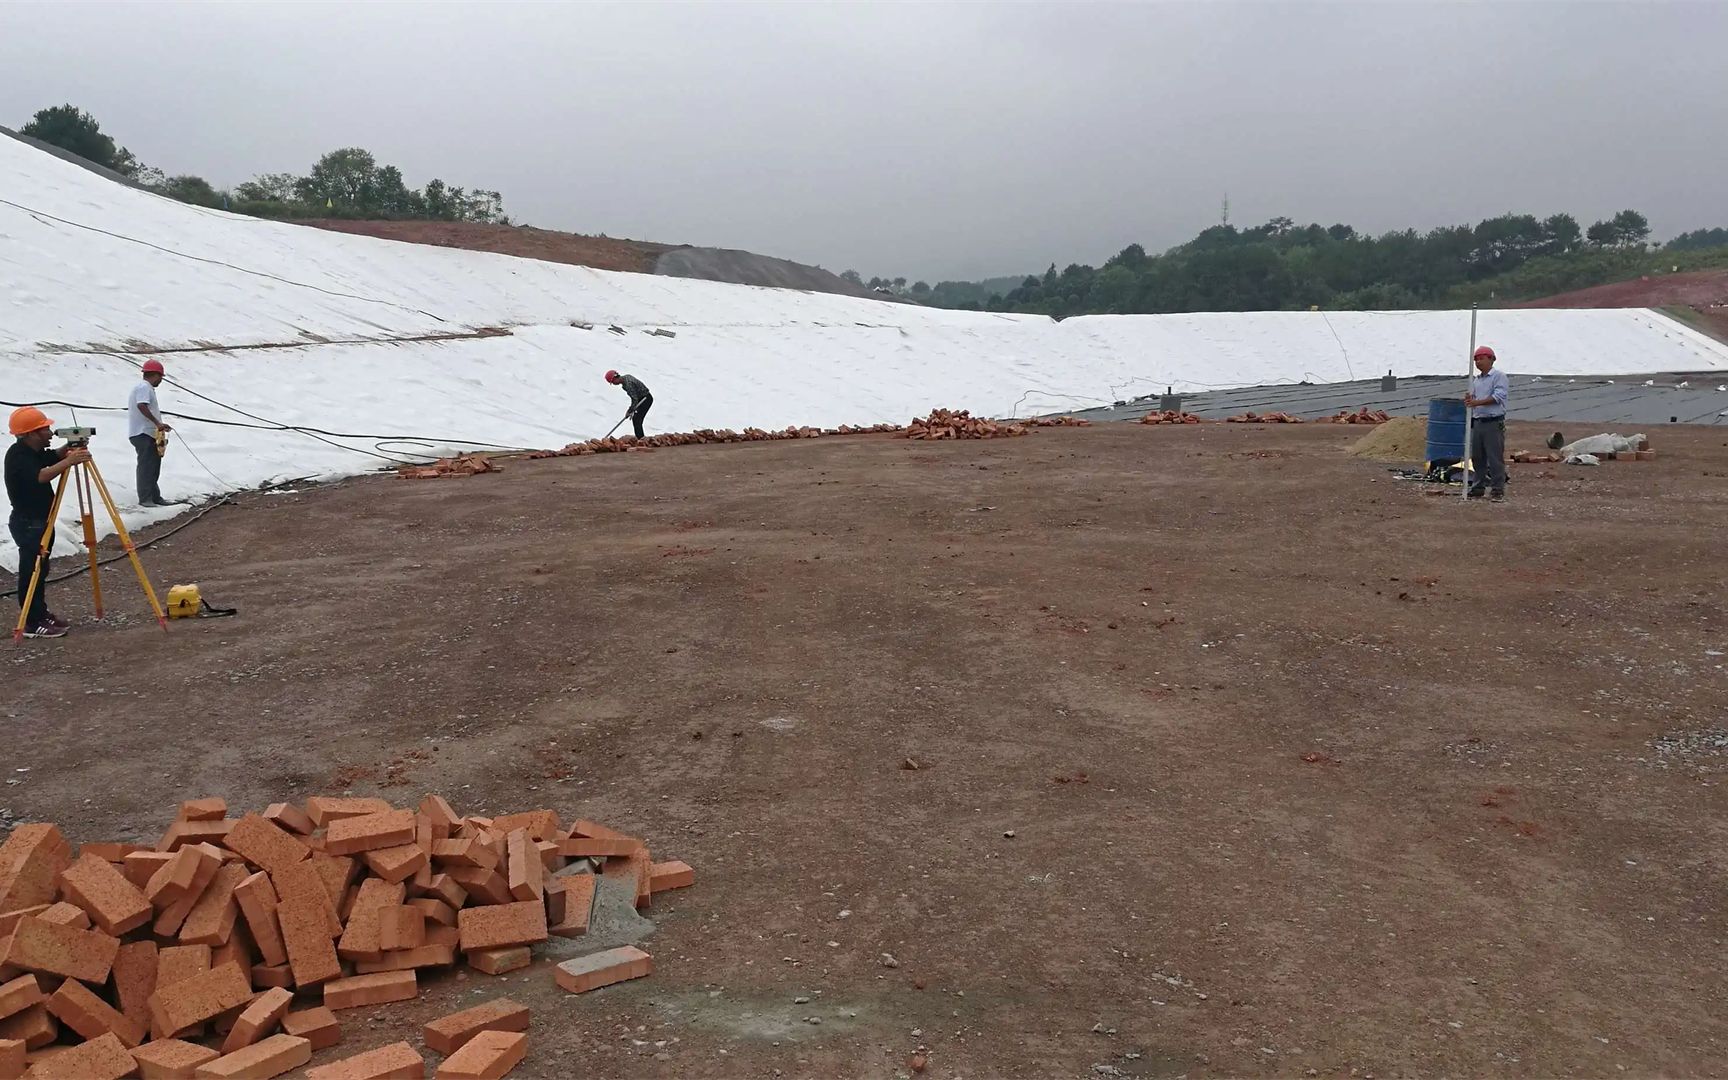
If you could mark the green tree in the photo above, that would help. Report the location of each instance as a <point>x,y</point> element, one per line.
<point>852,276</point>
<point>1602,234</point>
<point>1631,230</point>
<point>72,129</point>
<point>920,289</point>
<point>191,189</point>
<point>267,187</point>
<point>341,177</point>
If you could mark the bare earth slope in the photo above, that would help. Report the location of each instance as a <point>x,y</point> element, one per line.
<point>1701,297</point>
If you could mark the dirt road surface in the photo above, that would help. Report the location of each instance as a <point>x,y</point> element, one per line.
<point>1235,756</point>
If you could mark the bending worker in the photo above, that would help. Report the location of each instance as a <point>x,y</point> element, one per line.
<point>640,399</point>
<point>1487,402</point>
<point>145,431</point>
<point>30,468</point>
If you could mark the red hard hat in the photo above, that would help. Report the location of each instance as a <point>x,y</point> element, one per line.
<point>611,376</point>
<point>153,367</point>
<point>1483,350</point>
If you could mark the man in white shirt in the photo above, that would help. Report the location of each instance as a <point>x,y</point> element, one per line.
<point>1489,389</point>
<point>143,421</point>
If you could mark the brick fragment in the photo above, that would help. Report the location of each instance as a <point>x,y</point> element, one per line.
<point>205,996</point>
<point>670,875</point>
<point>524,870</point>
<point>11,1059</point>
<point>353,835</point>
<point>113,903</point>
<point>211,920</point>
<point>65,914</point>
<point>258,1019</point>
<point>289,817</point>
<point>265,976</point>
<point>577,905</point>
<point>182,833</point>
<point>212,809</point>
<point>324,809</point>
<point>264,844</point>
<point>463,853</point>
<point>397,1061</point>
<point>374,989</point>
<point>446,1034</point>
<point>485,886</point>
<point>498,961</point>
<point>396,863</point>
<point>439,955</point>
<point>256,897</point>
<point>521,923</point>
<point>361,938</point>
<point>541,824</point>
<point>316,1025</point>
<point>489,1055</point>
<point>585,847</point>
<point>32,1026</point>
<point>31,860</point>
<point>104,1058</point>
<point>141,866</point>
<point>260,1061</point>
<point>19,994</point>
<point>109,852</point>
<point>603,969</point>
<point>81,1010</point>
<point>401,927</point>
<point>43,947</point>
<point>434,910</point>
<point>171,1059</point>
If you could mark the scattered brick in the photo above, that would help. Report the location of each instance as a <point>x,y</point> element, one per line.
<point>438,955</point>
<point>305,919</point>
<point>182,833</point>
<point>141,866</point>
<point>32,1026</point>
<point>260,1061</point>
<point>263,843</point>
<point>444,887</point>
<point>237,950</point>
<point>113,903</point>
<point>43,947</point>
<point>9,920</point>
<point>466,852</point>
<point>374,989</point>
<point>316,1025</point>
<point>11,1059</point>
<point>489,1055</point>
<point>171,1059</point>
<point>361,938</point>
<point>446,1034</point>
<point>324,809</point>
<point>402,927</point>
<point>525,870</point>
<point>487,886</point>
<point>637,867</point>
<point>396,863</point>
<point>258,1018</point>
<point>256,897</point>
<point>212,809</point>
<point>368,832</point>
<point>541,824</point>
<point>598,847</point>
<point>290,817</point>
<point>211,920</point>
<point>397,1061</point>
<point>134,975</point>
<point>439,934</point>
<point>434,910</point>
<point>336,872</point>
<point>177,1006</point>
<point>670,875</point>
<point>104,1058</point>
<point>603,969</point>
<point>65,914</point>
<point>577,903</point>
<point>110,852</point>
<point>265,976</point>
<point>81,1010</point>
<point>19,994</point>
<point>31,860</point>
<point>521,923</point>
<point>498,961</point>
<point>442,817</point>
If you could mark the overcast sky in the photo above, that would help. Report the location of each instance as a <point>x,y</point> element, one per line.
<point>924,139</point>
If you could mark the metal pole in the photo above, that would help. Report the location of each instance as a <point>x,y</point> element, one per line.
<point>1469,377</point>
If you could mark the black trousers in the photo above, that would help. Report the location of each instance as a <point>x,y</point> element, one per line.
<point>1488,453</point>
<point>640,411</point>
<point>149,468</point>
<point>28,536</point>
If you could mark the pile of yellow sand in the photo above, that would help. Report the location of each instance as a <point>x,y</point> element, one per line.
<point>1402,438</point>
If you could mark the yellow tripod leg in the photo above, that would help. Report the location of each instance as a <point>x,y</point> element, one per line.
<point>42,560</point>
<point>126,542</point>
<point>87,513</point>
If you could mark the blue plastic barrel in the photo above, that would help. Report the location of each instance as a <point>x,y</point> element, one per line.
<point>1445,430</point>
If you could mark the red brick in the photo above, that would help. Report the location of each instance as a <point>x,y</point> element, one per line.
<point>635,867</point>
<point>439,955</point>
<point>65,914</point>
<point>237,950</point>
<point>59,950</point>
<point>360,941</point>
<point>550,859</point>
<point>521,923</point>
<point>256,897</point>
<point>599,847</point>
<point>311,881</point>
<point>498,961</point>
<point>9,920</point>
<point>316,1025</point>
<point>481,886</point>
<point>375,989</point>
<point>211,920</point>
<point>397,1061</point>
<point>401,927</point>
<point>141,866</point>
<point>171,1059</point>
<point>434,909</point>
<point>110,852</point>
<point>305,922</point>
<point>11,1059</point>
<point>177,887</point>
<point>444,819</point>
<point>75,1006</point>
<point>290,817</point>
<point>524,871</point>
<point>541,824</point>
<point>257,1020</point>
<point>134,976</point>
<point>19,994</point>
<point>324,809</point>
<point>266,976</point>
<point>444,887</point>
<point>104,1058</point>
<point>263,844</point>
<point>578,904</point>
<point>350,836</point>
<point>446,1034</point>
<point>463,853</point>
<point>182,833</point>
<point>31,860</point>
<point>33,1026</point>
<point>670,875</point>
<point>113,903</point>
<point>603,969</point>
<point>260,1061</point>
<point>205,996</point>
<point>396,863</point>
<point>211,809</point>
<point>489,1055</point>
<point>177,963</point>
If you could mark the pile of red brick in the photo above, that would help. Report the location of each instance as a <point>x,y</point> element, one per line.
<point>1171,416</point>
<point>1361,416</point>
<point>226,950</point>
<point>460,465</point>
<point>1057,421</point>
<point>621,443</point>
<point>960,424</point>
<point>1263,418</point>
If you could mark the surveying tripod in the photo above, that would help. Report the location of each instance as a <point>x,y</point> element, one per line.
<point>88,484</point>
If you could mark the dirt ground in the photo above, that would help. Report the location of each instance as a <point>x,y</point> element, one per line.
<point>1235,755</point>
<point>601,252</point>
<point>1699,297</point>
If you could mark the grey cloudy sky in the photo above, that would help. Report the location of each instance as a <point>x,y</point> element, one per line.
<point>925,139</point>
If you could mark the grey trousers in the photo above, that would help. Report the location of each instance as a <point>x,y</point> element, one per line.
<point>149,468</point>
<point>1488,453</point>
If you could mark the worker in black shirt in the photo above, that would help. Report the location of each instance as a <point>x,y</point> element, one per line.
<point>30,470</point>
<point>640,398</point>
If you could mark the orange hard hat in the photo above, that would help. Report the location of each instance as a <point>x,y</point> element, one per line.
<point>28,419</point>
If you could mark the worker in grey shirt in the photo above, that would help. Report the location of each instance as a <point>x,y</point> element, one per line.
<point>640,399</point>
<point>1487,402</point>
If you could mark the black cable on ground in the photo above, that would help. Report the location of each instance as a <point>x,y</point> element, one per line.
<point>84,567</point>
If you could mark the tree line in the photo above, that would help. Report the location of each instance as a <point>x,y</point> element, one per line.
<point>345,183</point>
